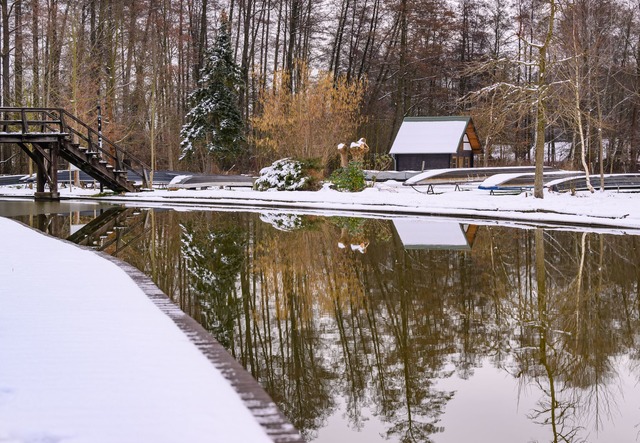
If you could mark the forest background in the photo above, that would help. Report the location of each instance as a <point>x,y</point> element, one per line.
<point>315,73</point>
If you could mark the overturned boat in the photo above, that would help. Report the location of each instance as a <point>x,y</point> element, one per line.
<point>618,182</point>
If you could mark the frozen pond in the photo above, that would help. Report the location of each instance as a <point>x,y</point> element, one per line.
<point>406,329</point>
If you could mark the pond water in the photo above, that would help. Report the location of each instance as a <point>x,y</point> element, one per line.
<point>400,330</point>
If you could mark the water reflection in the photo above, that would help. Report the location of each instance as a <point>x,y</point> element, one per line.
<point>356,324</point>
<point>113,230</point>
<point>423,233</point>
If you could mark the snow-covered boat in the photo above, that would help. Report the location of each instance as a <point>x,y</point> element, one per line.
<point>465,175</point>
<point>618,182</point>
<point>522,181</point>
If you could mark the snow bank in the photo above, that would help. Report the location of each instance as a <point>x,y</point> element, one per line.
<point>87,357</point>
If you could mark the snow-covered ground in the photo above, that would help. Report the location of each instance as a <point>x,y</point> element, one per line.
<point>86,356</point>
<point>601,209</point>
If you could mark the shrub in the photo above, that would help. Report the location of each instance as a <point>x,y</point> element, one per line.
<point>305,121</point>
<point>350,179</point>
<point>288,175</point>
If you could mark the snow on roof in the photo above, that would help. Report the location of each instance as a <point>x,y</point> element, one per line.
<point>427,234</point>
<point>430,135</point>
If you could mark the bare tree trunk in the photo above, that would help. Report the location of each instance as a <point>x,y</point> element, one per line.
<point>248,24</point>
<point>6,55</point>
<point>35,33</point>
<point>540,111</point>
<point>334,62</point>
<point>400,105</point>
<point>6,93</point>
<point>294,20</point>
<point>578,111</point>
<point>17,55</point>
<point>277,42</point>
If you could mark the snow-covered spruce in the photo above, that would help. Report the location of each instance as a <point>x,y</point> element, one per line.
<point>284,175</point>
<point>214,123</point>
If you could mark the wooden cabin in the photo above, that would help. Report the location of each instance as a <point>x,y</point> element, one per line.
<point>435,143</point>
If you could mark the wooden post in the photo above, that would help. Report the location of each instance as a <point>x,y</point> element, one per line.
<point>53,170</point>
<point>41,172</point>
<point>99,128</point>
<point>25,125</point>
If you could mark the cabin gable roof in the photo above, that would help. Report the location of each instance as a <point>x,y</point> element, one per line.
<point>436,135</point>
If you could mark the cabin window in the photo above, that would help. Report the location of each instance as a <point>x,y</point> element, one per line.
<point>467,162</point>
<point>454,162</point>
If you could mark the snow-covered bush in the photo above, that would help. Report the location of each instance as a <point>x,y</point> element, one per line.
<point>282,222</point>
<point>285,175</point>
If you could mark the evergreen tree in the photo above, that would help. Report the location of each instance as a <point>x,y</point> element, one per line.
<point>215,128</point>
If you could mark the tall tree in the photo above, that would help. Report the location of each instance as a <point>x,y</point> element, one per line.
<point>541,98</point>
<point>215,130</point>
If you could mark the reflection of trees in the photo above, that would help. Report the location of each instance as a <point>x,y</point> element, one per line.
<point>213,256</point>
<point>417,332</point>
<point>314,322</point>
<point>570,326</point>
<point>282,327</point>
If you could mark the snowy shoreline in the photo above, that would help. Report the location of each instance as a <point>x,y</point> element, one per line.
<point>91,349</point>
<point>601,209</point>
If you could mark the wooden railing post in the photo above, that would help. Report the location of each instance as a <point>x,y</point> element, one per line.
<point>25,124</point>
<point>63,125</point>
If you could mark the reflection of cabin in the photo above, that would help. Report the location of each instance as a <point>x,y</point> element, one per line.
<point>430,234</point>
<point>435,143</point>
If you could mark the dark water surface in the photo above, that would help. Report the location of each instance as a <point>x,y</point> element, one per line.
<point>404,330</point>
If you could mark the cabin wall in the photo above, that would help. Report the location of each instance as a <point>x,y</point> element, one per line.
<point>413,162</point>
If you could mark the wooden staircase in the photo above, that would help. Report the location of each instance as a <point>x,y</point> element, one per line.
<point>46,134</point>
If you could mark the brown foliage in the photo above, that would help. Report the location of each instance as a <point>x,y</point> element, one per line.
<point>309,122</point>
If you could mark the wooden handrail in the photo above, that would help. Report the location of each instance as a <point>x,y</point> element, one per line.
<point>56,121</point>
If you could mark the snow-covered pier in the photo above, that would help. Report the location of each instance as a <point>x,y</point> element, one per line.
<point>92,351</point>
